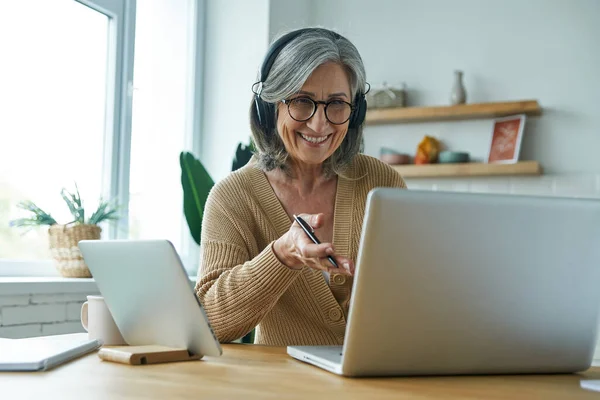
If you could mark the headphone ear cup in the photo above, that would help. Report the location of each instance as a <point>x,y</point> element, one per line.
<point>265,113</point>
<point>269,111</point>
<point>358,116</point>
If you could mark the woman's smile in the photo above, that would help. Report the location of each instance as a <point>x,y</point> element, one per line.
<point>314,141</point>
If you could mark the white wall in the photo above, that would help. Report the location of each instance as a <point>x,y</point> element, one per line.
<point>286,15</point>
<point>35,314</point>
<point>541,49</point>
<point>236,41</point>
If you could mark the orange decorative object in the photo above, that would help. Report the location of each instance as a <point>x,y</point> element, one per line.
<point>506,139</point>
<point>427,151</point>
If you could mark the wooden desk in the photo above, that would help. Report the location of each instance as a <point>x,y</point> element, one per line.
<point>260,372</point>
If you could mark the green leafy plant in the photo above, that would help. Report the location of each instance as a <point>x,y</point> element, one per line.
<point>243,154</point>
<point>106,211</point>
<point>197,183</point>
<point>39,217</point>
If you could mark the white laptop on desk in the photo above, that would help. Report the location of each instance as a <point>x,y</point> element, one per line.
<point>462,283</point>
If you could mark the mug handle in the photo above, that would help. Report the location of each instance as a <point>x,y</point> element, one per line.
<point>84,316</point>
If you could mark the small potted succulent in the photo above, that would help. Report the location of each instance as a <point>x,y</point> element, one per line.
<point>65,237</point>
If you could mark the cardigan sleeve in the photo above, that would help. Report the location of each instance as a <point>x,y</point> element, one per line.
<point>236,291</point>
<point>397,181</point>
<point>388,176</point>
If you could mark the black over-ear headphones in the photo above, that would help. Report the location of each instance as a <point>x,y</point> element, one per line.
<point>265,111</point>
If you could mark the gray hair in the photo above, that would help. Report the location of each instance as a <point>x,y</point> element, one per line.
<point>292,67</point>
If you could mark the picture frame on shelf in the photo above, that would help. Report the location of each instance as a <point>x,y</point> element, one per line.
<point>505,142</point>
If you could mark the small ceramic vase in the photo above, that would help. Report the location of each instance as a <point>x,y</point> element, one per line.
<point>458,95</point>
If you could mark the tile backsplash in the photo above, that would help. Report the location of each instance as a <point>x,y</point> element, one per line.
<point>564,185</point>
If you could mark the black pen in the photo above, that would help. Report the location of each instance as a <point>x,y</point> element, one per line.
<point>311,234</point>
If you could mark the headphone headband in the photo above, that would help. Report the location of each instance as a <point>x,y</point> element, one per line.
<point>278,45</point>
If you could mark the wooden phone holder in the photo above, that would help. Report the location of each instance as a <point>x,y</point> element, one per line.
<point>142,355</point>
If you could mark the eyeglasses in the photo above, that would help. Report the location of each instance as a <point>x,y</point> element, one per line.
<point>303,108</point>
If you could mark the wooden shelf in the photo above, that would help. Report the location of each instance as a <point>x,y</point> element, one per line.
<point>448,113</point>
<point>468,169</point>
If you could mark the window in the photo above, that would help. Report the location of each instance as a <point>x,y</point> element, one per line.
<point>75,110</point>
<point>53,100</point>
<point>62,97</point>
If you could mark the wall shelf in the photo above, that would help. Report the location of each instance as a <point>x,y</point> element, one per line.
<point>448,113</point>
<point>468,170</point>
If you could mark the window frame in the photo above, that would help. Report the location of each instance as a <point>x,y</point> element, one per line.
<point>117,136</point>
<point>193,137</point>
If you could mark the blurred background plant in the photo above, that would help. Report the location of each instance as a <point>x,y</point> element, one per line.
<point>64,238</point>
<point>243,154</point>
<point>105,211</point>
<point>197,184</point>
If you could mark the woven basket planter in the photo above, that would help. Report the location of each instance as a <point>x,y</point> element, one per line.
<point>64,249</point>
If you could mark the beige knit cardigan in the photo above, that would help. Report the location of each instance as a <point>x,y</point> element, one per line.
<point>241,283</point>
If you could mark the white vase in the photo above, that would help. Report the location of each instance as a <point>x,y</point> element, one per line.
<point>458,94</point>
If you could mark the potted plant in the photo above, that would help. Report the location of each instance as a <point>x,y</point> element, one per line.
<point>196,184</point>
<point>243,154</point>
<point>64,238</point>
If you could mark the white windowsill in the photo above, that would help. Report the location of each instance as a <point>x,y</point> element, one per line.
<point>47,269</point>
<point>27,268</point>
<point>45,285</point>
<point>17,285</point>
<point>19,277</point>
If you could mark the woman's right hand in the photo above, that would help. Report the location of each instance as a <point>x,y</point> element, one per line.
<point>296,250</point>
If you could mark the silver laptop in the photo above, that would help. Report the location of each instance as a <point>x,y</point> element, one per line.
<point>149,294</point>
<point>463,283</point>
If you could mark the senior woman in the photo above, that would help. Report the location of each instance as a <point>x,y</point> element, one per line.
<point>257,267</point>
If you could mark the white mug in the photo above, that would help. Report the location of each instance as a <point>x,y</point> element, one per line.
<point>99,323</point>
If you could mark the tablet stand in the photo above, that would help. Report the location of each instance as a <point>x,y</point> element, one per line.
<point>142,355</point>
